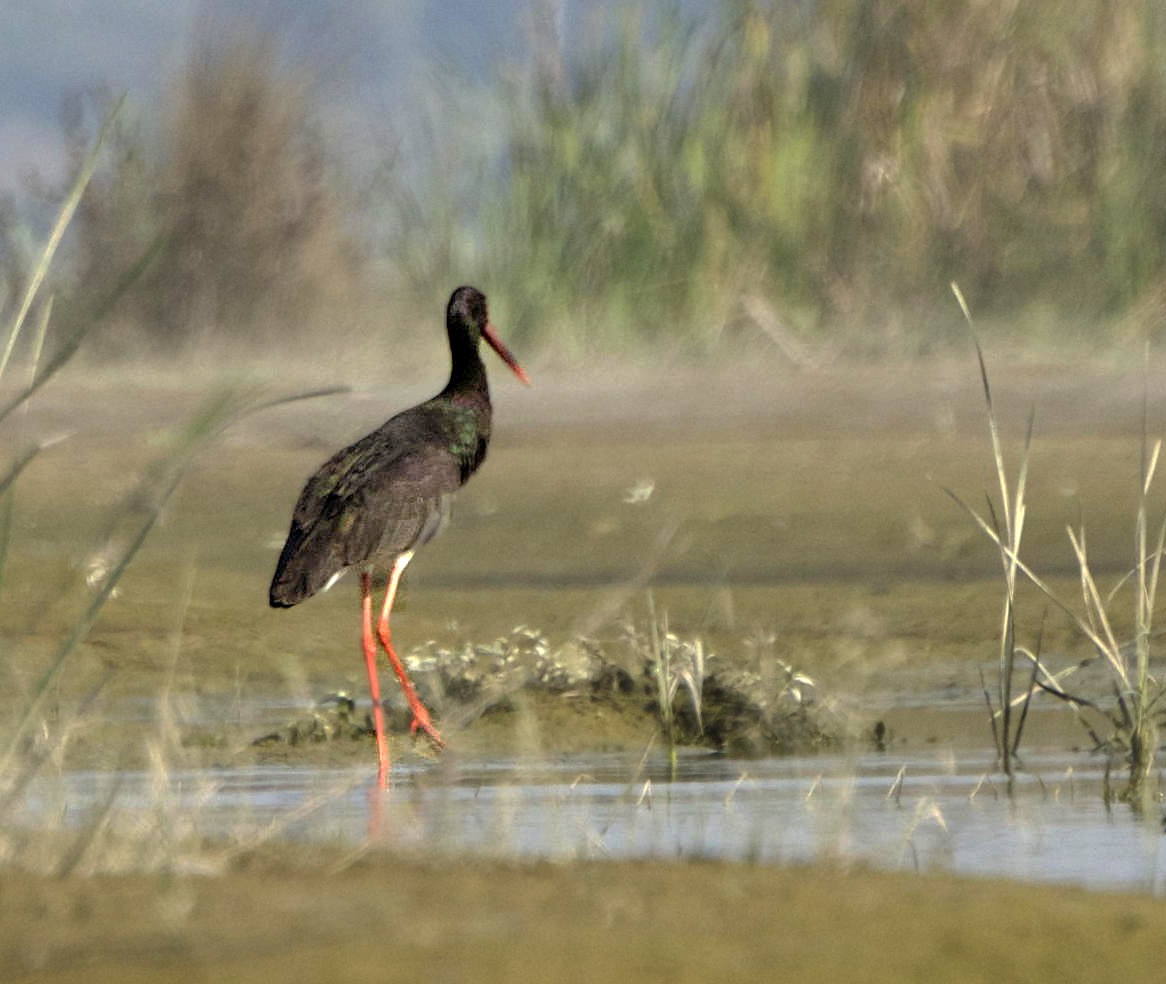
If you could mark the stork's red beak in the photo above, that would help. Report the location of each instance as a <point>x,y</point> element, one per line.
<point>490,333</point>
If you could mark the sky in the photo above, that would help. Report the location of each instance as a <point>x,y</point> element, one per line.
<point>371,57</point>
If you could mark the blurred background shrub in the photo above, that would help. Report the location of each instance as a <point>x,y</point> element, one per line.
<point>685,180</point>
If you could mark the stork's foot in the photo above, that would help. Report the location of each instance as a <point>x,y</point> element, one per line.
<point>421,723</point>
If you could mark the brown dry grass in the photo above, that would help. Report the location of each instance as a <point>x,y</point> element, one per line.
<point>295,917</point>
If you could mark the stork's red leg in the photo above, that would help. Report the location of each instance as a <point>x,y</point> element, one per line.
<point>374,686</point>
<point>421,720</point>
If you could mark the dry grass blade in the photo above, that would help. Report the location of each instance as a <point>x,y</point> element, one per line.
<point>1147,583</point>
<point>693,679</point>
<point>1084,626</point>
<point>674,662</point>
<point>1151,591</point>
<point>1008,539</point>
<point>1150,468</point>
<point>1025,701</point>
<point>1101,631</point>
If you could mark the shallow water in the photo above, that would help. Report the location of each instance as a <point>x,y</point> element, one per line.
<point>933,811</point>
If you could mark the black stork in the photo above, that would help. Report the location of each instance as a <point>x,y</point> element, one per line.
<point>372,504</point>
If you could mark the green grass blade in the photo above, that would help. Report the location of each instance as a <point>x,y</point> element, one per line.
<point>64,217</point>
<point>6,510</point>
<point>73,338</point>
<point>77,635</point>
<point>159,482</point>
<point>14,470</point>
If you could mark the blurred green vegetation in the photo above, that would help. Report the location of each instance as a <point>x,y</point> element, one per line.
<point>806,174</point>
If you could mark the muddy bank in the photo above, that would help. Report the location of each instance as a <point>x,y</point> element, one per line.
<point>777,518</point>
<point>299,915</point>
<point>581,697</point>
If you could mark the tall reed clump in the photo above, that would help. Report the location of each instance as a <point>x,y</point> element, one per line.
<point>66,344</point>
<point>1129,724</point>
<point>1006,528</point>
<point>29,740</point>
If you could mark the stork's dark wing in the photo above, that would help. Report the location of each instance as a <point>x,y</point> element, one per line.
<point>383,495</point>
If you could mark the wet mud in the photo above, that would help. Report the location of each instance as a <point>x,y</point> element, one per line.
<point>794,526</point>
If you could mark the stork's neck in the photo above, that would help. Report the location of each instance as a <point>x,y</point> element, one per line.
<point>466,374</point>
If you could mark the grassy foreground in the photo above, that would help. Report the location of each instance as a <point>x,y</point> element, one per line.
<point>379,918</point>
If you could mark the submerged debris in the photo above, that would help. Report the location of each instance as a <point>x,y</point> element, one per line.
<point>747,714</point>
<point>333,717</point>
